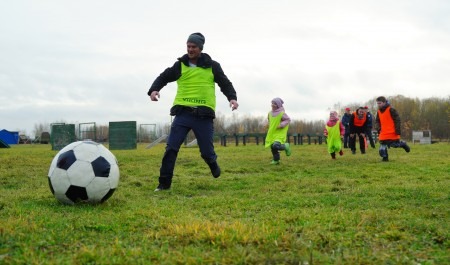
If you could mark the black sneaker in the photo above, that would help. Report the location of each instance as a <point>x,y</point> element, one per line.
<point>406,147</point>
<point>215,169</point>
<point>161,187</point>
<point>216,172</point>
<point>385,159</point>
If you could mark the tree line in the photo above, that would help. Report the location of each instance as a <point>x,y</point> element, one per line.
<point>416,115</point>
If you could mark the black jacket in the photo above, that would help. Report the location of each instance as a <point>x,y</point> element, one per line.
<point>172,74</point>
<point>357,129</point>
<point>346,120</point>
<point>369,120</point>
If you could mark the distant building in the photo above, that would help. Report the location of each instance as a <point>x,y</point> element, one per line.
<point>423,137</point>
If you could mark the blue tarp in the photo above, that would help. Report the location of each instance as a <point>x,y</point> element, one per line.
<point>9,137</point>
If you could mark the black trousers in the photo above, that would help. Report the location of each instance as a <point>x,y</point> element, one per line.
<point>370,138</point>
<point>362,144</point>
<point>346,137</point>
<point>185,121</point>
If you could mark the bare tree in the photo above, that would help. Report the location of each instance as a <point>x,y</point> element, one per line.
<point>219,123</point>
<point>39,128</point>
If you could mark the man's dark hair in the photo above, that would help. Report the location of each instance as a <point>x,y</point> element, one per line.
<point>382,99</point>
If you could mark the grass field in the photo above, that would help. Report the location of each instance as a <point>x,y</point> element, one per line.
<point>308,210</point>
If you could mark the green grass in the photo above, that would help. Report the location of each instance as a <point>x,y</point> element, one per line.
<point>308,210</point>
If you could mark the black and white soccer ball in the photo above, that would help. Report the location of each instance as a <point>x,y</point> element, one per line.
<point>83,171</point>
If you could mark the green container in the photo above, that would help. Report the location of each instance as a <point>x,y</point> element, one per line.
<point>62,135</point>
<point>122,135</point>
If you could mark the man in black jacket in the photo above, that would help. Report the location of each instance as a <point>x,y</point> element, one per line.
<point>369,127</point>
<point>346,122</point>
<point>358,128</point>
<point>194,105</point>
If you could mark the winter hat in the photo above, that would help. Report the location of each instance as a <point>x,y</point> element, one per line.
<point>333,115</point>
<point>278,102</point>
<point>347,108</point>
<point>197,38</point>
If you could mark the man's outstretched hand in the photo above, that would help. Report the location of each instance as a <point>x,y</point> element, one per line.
<point>233,104</point>
<point>154,96</point>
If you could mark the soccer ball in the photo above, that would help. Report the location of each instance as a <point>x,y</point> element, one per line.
<point>83,171</point>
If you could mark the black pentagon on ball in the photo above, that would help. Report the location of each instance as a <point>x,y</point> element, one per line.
<point>101,167</point>
<point>109,194</point>
<point>76,193</point>
<point>66,159</point>
<point>51,186</point>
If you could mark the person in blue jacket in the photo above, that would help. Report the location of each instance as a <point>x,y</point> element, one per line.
<point>346,122</point>
<point>369,127</point>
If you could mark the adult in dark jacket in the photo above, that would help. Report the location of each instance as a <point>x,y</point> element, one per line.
<point>194,105</point>
<point>369,135</point>
<point>388,125</point>
<point>358,128</point>
<point>346,122</point>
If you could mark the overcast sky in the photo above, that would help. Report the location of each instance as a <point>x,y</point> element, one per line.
<point>94,61</point>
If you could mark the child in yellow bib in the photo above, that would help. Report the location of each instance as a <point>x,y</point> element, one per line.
<point>334,131</point>
<point>278,125</point>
